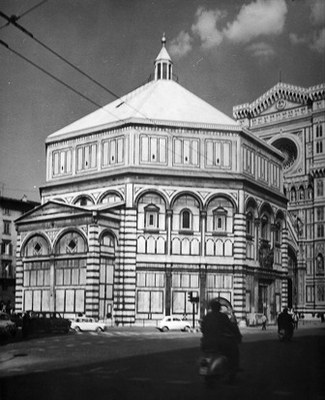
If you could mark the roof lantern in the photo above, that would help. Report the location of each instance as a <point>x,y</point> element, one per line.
<point>163,63</point>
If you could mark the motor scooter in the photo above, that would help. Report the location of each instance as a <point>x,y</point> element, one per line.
<point>214,367</point>
<point>285,335</point>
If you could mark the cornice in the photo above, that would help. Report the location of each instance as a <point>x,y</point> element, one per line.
<point>296,94</point>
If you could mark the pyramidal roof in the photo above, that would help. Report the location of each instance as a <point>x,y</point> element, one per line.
<point>160,102</point>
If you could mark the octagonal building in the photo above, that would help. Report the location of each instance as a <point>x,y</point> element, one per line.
<point>156,195</point>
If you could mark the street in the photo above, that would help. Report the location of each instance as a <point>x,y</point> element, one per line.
<point>143,363</point>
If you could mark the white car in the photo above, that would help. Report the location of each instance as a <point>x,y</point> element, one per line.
<point>173,323</point>
<point>80,324</point>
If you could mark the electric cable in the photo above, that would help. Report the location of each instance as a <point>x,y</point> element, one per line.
<point>55,78</point>
<point>24,13</point>
<point>13,20</point>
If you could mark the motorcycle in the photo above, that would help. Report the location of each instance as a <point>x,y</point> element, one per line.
<point>285,335</point>
<point>214,367</point>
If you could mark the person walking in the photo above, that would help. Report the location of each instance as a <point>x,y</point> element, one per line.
<point>264,320</point>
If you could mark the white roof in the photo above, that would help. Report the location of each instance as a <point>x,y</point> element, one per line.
<point>158,102</point>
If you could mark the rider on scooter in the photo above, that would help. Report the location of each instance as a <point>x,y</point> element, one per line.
<point>285,323</point>
<point>220,335</point>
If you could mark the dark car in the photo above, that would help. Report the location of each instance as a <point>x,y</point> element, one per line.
<point>47,322</point>
<point>7,327</point>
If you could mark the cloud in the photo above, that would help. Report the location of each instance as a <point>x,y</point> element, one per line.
<point>181,45</point>
<point>315,40</point>
<point>318,43</point>
<point>261,17</point>
<point>261,50</point>
<point>295,39</point>
<point>317,14</point>
<point>258,18</point>
<point>206,29</point>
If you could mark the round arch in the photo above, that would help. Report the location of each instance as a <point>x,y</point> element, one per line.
<point>110,192</point>
<point>251,203</point>
<point>186,193</point>
<point>151,191</point>
<point>70,230</point>
<point>83,196</point>
<point>106,232</point>
<point>30,237</point>
<point>221,195</point>
<point>266,208</point>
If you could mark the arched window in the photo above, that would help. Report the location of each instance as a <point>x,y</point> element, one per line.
<point>277,232</point>
<point>36,247</point>
<point>83,201</point>
<point>71,243</point>
<point>293,194</point>
<point>249,224</point>
<point>301,193</point>
<point>151,216</point>
<point>320,264</point>
<point>186,219</point>
<point>219,220</point>
<point>110,198</point>
<point>265,227</point>
<point>320,188</point>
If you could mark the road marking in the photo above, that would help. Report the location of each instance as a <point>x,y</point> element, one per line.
<point>179,382</point>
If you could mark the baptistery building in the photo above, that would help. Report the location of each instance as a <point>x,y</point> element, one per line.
<point>150,198</point>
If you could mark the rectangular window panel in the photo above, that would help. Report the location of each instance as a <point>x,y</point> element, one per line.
<point>46,300</point>
<point>144,148</point>
<point>226,154</point>
<point>186,154</point>
<point>162,150</point>
<point>28,300</point>
<point>75,276</point>
<point>178,151</point>
<point>153,150</point>
<point>86,164</point>
<point>69,301</point>
<point>79,158</point>
<point>141,279</point>
<point>143,301</point>
<point>62,162</point>
<point>93,163</point>
<point>59,277</point>
<point>37,300</point>
<point>59,300</point>
<point>82,276</point>
<point>178,302</point>
<point>156,301</point>
<point>80,300</point>
<point>69,161</point>
<point>120,149</point>
<point>209,153</point>
<point>55,163</point>
<point>194,152</point>
<point>113,159</point>
<point>217,158</point>
<point>105,153</point>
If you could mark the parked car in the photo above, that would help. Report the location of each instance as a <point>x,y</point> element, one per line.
<point>47,322</point>
<point>173,323</point>
<point>84,323</point>
<point>7,327</point>
<point>17,318</point>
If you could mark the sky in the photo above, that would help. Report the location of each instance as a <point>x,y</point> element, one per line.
<point>227,52</point>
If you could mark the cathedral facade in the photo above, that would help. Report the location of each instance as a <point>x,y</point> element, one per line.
<point>292,119</point>
<point>154,197</point>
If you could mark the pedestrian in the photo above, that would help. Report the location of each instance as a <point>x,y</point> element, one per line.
<point>264,320</point>
<point>26,325</point>
<point>295,320</point>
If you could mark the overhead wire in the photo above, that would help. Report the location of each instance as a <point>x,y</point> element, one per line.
<point>24,13</point>
<point>13,20</point>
